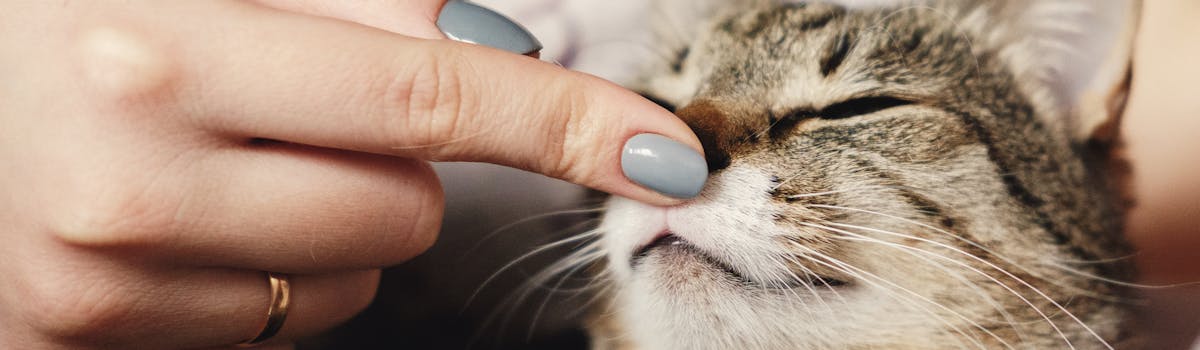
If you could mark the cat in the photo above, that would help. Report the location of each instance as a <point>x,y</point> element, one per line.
<point>915,176</point>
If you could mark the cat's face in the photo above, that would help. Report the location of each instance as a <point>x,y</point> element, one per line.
<point>880,180</point>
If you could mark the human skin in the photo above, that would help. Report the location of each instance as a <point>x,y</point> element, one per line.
<point>1161,126</point>
<point>158,156</point>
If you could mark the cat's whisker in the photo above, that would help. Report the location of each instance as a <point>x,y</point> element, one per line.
<point>989,251</point>
<point>779,279</point>
<point>1048,320</point>
<point>785,181</point>
<point>1095,261</point>
<point>1093,276</point>
<point>827,193</point>
<point>792,275</point>
<point>539,250</point>
<point>792,259</point>
<point>581,263</point>
<point>767,129</point>
<point>959,237</point>
<point>847,269</point>
<point>907,249</point>
<point>870,278</point>
<point>963,263</point>
<point>915,252</point>
<point>811,289</point>
<point>1036,290</point>
<point>561,268</point>
<point>956,236</point>
<point>510,225</point>
<point>572,262</point>
<point>581,257</point>
<point>591,301</point>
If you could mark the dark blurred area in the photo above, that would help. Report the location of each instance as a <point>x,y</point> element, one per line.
<point>423,304</point>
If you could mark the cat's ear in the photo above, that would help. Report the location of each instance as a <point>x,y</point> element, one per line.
<point>677,23</point>
<point>1099,103</point>
<point>1073,57</point>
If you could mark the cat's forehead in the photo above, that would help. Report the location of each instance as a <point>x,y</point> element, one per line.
<point>813,55</point>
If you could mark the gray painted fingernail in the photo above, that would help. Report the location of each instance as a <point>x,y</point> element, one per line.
<point>468,22</point>
<point>664,165</point>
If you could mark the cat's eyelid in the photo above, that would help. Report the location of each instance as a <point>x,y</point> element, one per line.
<point>855,106</point>
<point>851,107</point>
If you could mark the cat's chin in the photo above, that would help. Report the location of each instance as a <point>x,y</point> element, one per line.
<point>673,259</point>
<point>672,255</point>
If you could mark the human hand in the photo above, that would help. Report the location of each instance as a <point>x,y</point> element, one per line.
<point>157,156</point>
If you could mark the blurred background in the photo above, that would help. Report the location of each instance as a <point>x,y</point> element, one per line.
<point>496,215</point>
<point>1161,127</point>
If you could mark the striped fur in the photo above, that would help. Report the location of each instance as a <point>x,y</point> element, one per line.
<point>904,177</point>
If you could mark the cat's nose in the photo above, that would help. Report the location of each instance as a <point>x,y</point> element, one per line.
<point>712,126</point>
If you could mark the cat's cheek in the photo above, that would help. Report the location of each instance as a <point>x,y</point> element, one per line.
<point>628,224</point>
<point>731,221</point>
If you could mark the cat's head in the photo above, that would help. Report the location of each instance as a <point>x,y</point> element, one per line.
<point>912,176</point>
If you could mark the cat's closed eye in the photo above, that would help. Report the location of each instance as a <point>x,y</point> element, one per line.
<point>842,110</point>
<point>852,108</point>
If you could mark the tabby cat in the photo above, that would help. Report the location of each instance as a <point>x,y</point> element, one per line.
<point>922,176</point>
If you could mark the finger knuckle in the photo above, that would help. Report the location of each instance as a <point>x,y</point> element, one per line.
<point>124,67</point>
<point>115,215</point>
<point>63,307</point>
<point>429,215</point>
<point>429,97</point>
<point>571,136</point>
<point>408,235</point>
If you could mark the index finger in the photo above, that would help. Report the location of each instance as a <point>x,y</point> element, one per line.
<point>334,84</point>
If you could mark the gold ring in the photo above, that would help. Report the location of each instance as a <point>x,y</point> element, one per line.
<point>281,299</point>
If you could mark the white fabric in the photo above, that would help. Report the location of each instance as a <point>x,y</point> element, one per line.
<point>586,35</point>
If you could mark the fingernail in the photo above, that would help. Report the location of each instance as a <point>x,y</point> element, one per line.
<point>468,22</point>
<point>664,165</point>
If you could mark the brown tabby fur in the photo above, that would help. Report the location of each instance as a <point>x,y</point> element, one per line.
<point>943,132</point>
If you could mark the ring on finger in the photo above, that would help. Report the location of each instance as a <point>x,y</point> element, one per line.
<point>281,297</point>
